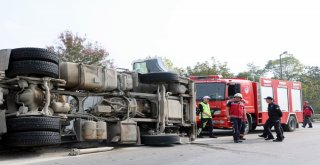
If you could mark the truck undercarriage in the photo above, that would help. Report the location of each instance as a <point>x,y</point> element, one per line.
<point>45,102</point>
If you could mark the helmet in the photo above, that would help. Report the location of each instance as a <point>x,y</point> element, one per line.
<point>206,97</point>
<point>238,95</point>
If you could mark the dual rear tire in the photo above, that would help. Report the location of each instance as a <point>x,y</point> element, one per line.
<point>34,62</point>
<point>33,131</point>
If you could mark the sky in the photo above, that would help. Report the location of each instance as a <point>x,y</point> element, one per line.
<point>185,31</point>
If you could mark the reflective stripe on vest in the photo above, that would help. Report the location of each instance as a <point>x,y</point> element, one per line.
<point>206,108</point>
<point>236,110</point>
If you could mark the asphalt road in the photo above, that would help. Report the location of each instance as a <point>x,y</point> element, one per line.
<point>299,147</point>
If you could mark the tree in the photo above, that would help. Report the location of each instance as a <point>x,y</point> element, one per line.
<point>252,73</point>
<point>169,64</point>
<point>213,67</point>
<point>291,68</point>
<point>223,69</point>
<point>311,86</point>
<point>201,69</point>
<point>74,48</point>
<point>246,75</point>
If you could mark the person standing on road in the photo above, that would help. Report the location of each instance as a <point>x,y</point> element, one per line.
<point>307,113</point>
<point>275,115</point>
<point>235,111</point>
<point>243,120</point>
<point>205,117</point>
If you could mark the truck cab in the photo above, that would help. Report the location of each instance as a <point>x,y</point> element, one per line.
<point>221,91</point>
<point>151,65</point>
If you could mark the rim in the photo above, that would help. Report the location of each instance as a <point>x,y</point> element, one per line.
<point>292,124</point>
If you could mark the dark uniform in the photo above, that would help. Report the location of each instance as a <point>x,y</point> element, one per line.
<point>274,120</point>
<point>267,126</point>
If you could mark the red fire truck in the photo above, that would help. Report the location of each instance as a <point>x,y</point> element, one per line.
<point>287,94</point>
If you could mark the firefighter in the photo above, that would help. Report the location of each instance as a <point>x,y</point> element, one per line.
<point>307,113</point>
<point>243,119</point>
<point>205,117</point>
<point>275,115</point>
<point>235,111</point>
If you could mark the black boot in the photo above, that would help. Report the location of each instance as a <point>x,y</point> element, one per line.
<point>264,136</point>
<point>269,138</point>
<point>277,140</point>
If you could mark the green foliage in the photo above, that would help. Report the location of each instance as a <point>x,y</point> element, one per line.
<point>169,64</point>
<point>74,48</point>
<point>311,86</point>
<point>213,67</point>
<point>292,68</point>
<point>252,73</point>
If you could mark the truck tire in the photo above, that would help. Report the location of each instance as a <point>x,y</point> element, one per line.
<point>160,77</point>
<point>156,140</point>
<point>32,68</point>
<point>22,54</point>
<point>254,123</point>
<point>291,125</point>
<point>23,124</point>
<point>32,139</point>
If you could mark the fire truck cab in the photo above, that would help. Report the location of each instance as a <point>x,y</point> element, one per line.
<point>285,93</point>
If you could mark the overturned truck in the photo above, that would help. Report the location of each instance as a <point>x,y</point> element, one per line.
<point>46,102</point>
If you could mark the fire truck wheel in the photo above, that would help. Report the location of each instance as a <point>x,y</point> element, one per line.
<point>32,139</point>
<point>21,54</point>
<point>291,125</point>
<point>160,77</point>
<point>158,140</point>
<point>32,68</point>
<point>33,124</point>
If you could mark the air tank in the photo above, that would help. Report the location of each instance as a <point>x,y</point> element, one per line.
<point>89,130</point>
<point>101,130</point>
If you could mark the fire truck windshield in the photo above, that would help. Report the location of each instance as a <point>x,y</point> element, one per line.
<point>215,90</point>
